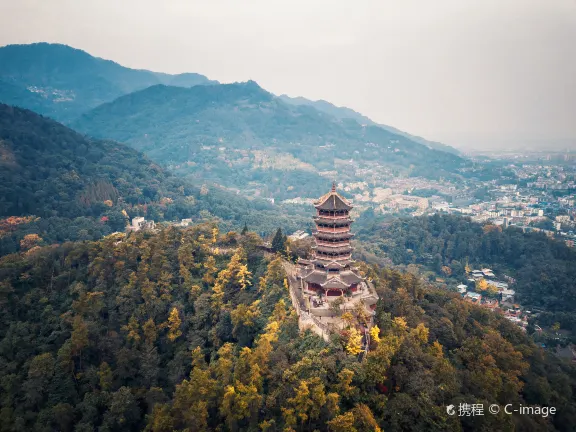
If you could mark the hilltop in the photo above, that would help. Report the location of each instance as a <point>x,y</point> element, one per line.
<point>62,82</point>
<point>155,331</point>
<point>244,137</point>
<point>80,187</point>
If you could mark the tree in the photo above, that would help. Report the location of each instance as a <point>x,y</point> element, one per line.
<point>79,337</point>
<point>29,241</point>
<point>133,329</point>
<point>348,318</point>
<point>174,323</point>
<point>375,334</point>
<point>150,331</point>
<point>278,242</point>
<point>210,270</point>
<point>343,423</point>
<point>105,375</point>
<point>354,344</point>
<point>245,229</point>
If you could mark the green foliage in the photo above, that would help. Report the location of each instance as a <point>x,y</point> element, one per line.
<point>279,241</point>
<point>544,269</point>
<point>241,136</point>
<point>79,187</point>
<point>109,335</point>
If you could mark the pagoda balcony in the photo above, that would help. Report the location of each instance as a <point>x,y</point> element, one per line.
<point>333,244</point>
<point>330,220</point>
<point>331,235</point>
<point>333,230</point>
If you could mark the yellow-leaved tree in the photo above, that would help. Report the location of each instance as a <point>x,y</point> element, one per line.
<point>375,334</point>
<point>354,344</point>
<point>174,323</point>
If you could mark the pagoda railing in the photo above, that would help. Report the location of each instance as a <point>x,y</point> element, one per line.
<point>333,244</point>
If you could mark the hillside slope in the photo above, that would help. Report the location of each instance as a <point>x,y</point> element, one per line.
<point>68,81</point>
<point>79,187</point>
<point>348,113</point>
<point>242,136</point>
<point>155,332</point>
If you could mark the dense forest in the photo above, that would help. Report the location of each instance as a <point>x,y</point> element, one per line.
<point>544,269</point>
<point>193,330</point>
<point>62,186</point>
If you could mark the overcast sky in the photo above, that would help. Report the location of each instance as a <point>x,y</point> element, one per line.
<point>466,72</point>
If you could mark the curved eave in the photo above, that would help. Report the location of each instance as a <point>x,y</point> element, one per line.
<point>333,201</point>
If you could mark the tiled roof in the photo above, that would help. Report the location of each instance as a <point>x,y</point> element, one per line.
<point>333,201</point>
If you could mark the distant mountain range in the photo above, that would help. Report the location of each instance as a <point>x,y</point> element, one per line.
<point>348,113</point>
<point>63,82</point>
<point>237,135</point>
<point>243,136</point>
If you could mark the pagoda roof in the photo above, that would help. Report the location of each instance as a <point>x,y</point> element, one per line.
<point>335,282</point>
<point>326,280</point>
<point>350,277</point>
<point>331,220</point>
<point>331,263</point>
<point>335,248</point>
<point>333,201</point>
<point>315,276</point>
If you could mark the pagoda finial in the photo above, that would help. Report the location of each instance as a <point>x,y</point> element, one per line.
<point>334,186</point>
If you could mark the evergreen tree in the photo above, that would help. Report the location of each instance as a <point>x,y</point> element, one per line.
<point>278,241</point>
<point>245,229</point>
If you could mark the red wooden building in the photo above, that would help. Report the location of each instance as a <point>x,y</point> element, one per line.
<point>330,270</point>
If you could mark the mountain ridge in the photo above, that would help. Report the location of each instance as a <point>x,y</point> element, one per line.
<point>345,112</point>
<point>218,132</point>
<point>71,81</point>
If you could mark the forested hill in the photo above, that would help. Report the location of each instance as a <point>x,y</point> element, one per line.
<point>348,113</point>
<point>63,82</point>
<point>239,133</point>
<point>545,269</point>
<point>158,332</point>
<point>80,188</point>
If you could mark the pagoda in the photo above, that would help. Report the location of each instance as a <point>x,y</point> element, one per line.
<point>329,272</point>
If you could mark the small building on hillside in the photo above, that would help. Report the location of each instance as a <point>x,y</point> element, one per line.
<point>508,295</point>
<point>462,288</point>
<point>473,297</point>
<point>139,223</point>
<point>298,235</point>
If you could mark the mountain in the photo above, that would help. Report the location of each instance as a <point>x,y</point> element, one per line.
<point>79,187</point>
<point>63,82</point>
<point>348,113</point>
<point>244,137</point>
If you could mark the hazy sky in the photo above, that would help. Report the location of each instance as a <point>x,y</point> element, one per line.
<point>465,72</point>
